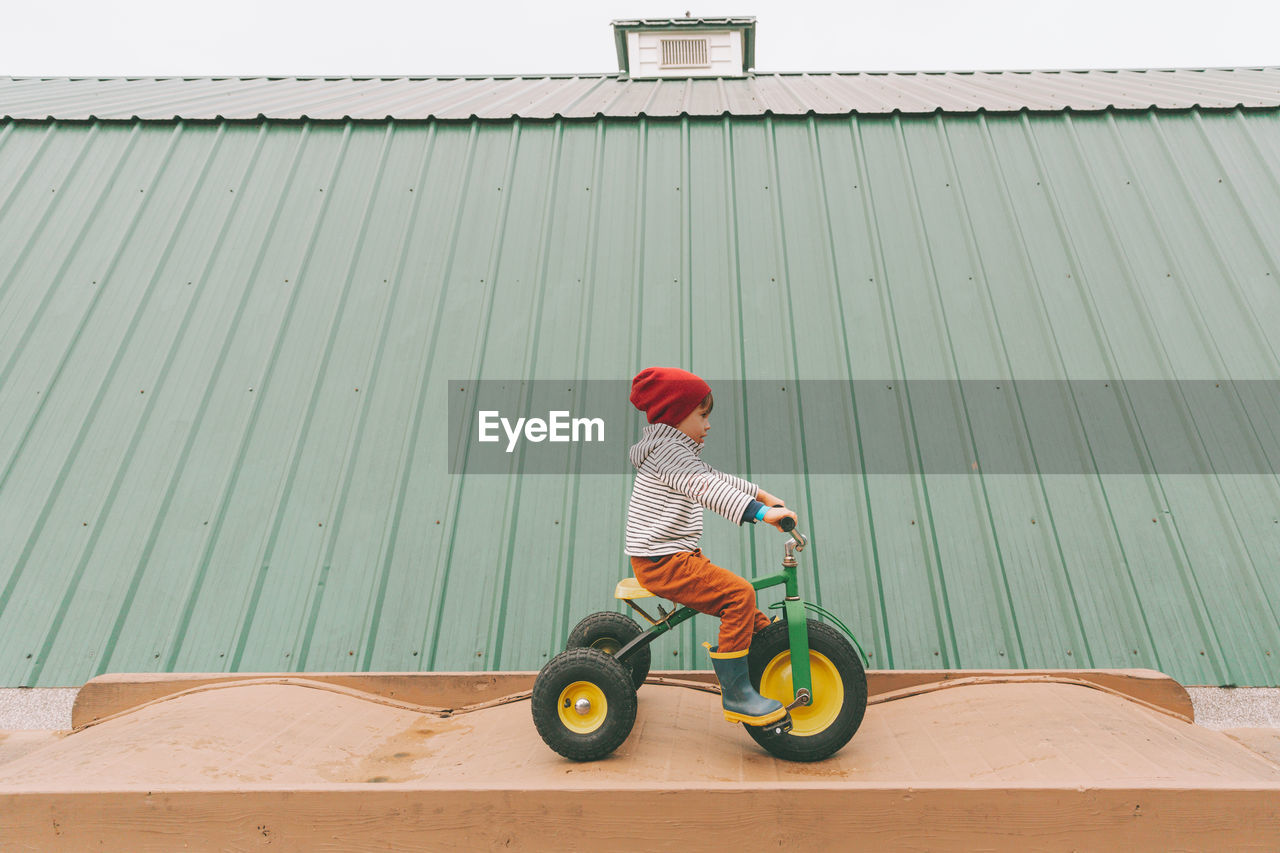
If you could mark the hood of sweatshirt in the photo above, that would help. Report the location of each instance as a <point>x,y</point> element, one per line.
<point>656,434</point>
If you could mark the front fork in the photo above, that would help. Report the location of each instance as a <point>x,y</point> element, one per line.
<point>798,634</point>
<point>797,627</point>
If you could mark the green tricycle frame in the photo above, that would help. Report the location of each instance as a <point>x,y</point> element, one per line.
<point>793,608</point>
<point>584,699</point>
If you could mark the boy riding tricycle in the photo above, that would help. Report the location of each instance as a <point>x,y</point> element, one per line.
<point>796,684</point>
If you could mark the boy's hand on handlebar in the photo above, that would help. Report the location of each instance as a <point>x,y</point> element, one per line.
<point>774,516</point>
<point>769,500</point>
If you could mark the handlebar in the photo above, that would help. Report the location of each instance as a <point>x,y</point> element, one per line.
<point>788,525</point>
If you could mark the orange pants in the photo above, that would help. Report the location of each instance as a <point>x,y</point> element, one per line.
<point>691,579</point>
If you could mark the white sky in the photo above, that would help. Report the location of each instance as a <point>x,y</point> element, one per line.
<point>429,37</point>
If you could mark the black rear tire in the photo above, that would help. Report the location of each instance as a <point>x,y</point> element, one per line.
<point>608,632</point>
<point>593,675</point>
<point>839,686</point>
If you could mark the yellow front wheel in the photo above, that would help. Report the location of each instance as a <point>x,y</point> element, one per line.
<point>839,691</point>
<point>828,692</point>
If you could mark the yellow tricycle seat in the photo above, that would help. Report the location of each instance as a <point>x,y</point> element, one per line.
<point>629,588</point>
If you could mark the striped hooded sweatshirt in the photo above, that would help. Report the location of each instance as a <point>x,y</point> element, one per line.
<point>673,485</point>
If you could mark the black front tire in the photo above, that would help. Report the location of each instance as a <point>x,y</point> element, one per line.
<point>839,686</point>
<point>608,632</point>
<point>584,674</point>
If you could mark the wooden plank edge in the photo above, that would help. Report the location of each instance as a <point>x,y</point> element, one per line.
<point>112,694</point>
<point>737,817</point>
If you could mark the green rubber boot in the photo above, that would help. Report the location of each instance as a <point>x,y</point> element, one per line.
<point>742,704</point>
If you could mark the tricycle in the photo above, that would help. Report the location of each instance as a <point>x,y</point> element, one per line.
<point>584,699</point>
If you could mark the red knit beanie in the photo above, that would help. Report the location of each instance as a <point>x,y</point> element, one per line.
<point>667,394</point>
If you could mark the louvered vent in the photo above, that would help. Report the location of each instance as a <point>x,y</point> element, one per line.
<point>684,53</point>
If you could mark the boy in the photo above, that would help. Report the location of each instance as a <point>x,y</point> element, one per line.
<point>664,523</point>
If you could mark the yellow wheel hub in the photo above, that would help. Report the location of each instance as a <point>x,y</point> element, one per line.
<point>608,645</point>
<point>828,692</point>
<point>582,707</point>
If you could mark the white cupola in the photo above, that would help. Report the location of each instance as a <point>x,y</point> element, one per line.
<point>685,47</point>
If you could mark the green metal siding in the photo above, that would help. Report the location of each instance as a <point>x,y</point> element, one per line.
<point>225,349</point>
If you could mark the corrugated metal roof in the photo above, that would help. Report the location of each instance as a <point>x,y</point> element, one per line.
<point>224,352</point>
<point>588,96</point>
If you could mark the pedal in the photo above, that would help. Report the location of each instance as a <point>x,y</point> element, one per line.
<point>780,727</point>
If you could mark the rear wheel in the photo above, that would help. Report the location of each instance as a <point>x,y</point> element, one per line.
<point>583,704</point>
<point>608,632</point>
<point>839,691</point>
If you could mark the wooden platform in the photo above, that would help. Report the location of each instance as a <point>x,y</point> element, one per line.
<point>995,763</point>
